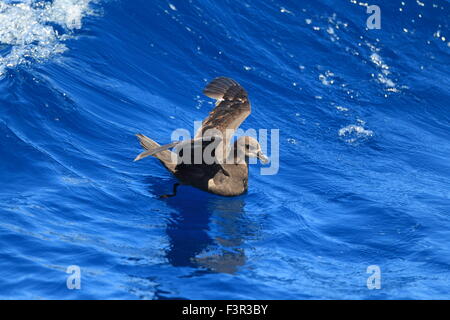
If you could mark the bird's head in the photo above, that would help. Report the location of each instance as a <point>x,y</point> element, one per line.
<point>251,148</point>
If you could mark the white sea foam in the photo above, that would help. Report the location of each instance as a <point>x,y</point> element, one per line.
<point>383,76</point>
<point>32,30</point>
<point>355,132</point>
<point>334,25</point>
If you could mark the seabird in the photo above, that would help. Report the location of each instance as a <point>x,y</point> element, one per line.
<point>227,174</point>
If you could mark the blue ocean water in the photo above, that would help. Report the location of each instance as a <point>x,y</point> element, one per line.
<point>364,149</point>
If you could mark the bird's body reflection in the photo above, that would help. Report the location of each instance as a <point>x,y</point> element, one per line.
<point>227,254</point>
<point>206,231</point>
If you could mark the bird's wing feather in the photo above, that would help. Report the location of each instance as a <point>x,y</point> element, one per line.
<point>232,107</point>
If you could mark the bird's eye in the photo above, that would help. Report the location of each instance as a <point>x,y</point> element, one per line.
<point>247,146</point>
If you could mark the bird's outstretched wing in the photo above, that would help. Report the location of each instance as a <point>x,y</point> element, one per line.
<point>232,108</point>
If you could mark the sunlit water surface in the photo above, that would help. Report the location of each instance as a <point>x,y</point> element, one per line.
<point>364,149</point>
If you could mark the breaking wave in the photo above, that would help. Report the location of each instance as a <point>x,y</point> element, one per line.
<point>36,30</point>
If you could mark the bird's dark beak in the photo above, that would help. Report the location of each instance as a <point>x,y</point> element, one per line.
<point>264,159</point>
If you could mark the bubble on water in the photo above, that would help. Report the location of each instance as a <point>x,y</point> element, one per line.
<point>35,30</point>
<point>327,78</point>
<point>284,10</point>
<point>342,109</point>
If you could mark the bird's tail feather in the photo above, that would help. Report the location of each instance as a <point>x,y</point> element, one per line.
<point>155,149</point>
